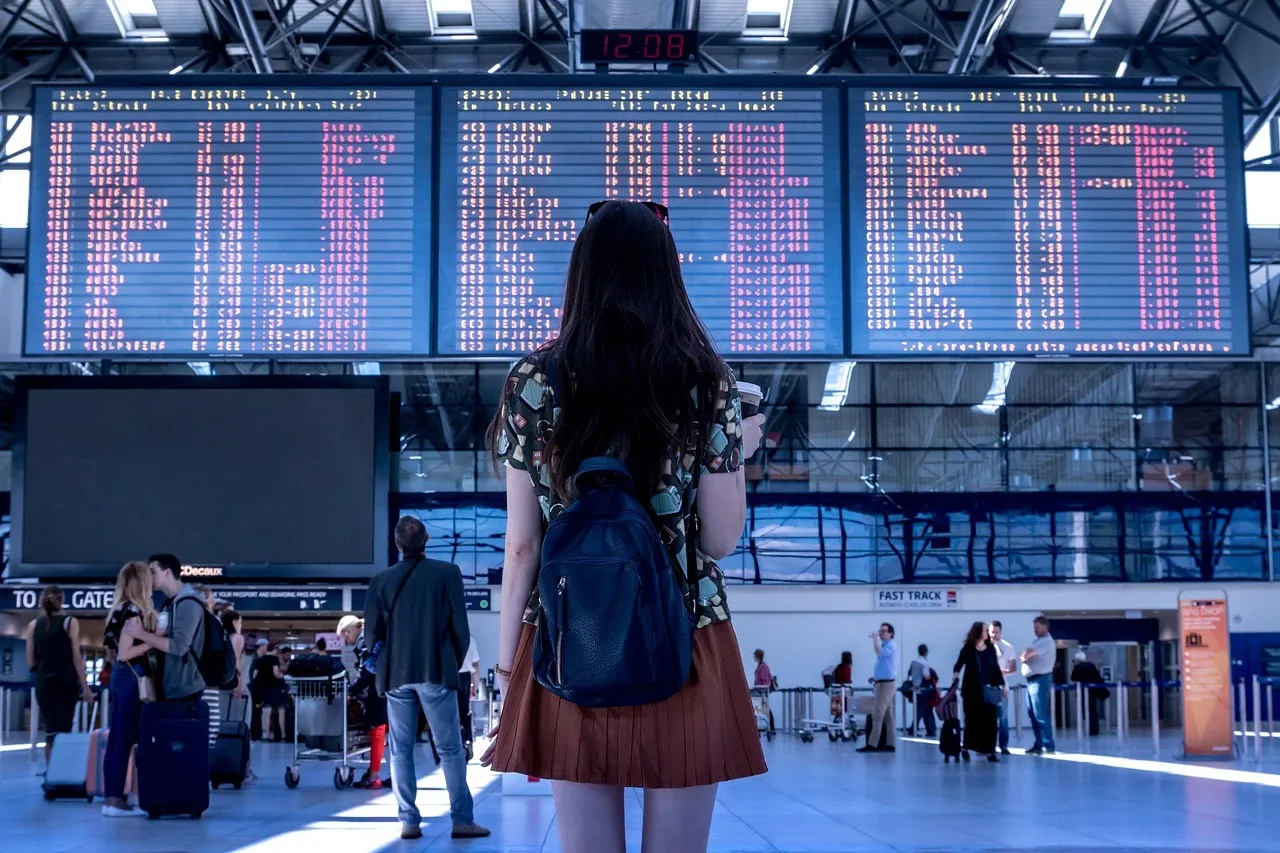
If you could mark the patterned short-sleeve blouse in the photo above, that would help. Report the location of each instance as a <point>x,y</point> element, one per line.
<point>529,411</point>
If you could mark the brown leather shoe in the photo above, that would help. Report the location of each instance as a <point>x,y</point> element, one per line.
<point>469,830</point>
<point>408,833</point>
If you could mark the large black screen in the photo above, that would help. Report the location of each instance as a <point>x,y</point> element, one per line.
<point>254,478</point>
<point>1020,222</point>
<point>751,176</point>
<point>265,219</point>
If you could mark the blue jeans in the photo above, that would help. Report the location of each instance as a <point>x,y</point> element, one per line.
<point>1038,706</point>
<point>440,704</point>
<point>126,714</point>
<point>1002,724</point>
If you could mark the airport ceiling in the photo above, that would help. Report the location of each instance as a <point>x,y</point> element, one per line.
<point>1216,42</point>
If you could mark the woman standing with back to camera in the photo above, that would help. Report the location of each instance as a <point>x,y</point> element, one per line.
<point>633,375</point>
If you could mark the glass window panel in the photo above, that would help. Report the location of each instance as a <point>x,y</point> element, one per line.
<point>1070,426</point>
<point>440,471</point>
<point>802,384</point>
<point>1196,383</point>
<point>938,471</point>
<point>850,426</point>
<point>935,426</point>
<point>1080,469</point>
<point>1085,383</point>
<point>935,384</point>
<point>14,187</point>
<point>839,470</point>
<point>786,546</point>
<point>466,534</point>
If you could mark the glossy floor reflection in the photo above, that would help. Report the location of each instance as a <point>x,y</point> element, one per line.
<point>817,797</point>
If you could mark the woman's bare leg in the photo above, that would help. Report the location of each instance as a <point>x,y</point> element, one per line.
<point>678,820</point>
<point>590,818</point>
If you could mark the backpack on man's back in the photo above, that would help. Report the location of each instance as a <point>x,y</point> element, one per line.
<point>216,658</point>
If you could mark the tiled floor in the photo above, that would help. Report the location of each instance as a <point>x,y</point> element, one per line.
<point>817,797</point>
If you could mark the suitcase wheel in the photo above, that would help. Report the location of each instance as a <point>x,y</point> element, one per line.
<point>215,785</point>
<point>49,797</point>
<point>196,815</point>
<point>806,737</point>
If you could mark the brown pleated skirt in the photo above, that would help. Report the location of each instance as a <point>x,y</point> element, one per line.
<point>704,734</point>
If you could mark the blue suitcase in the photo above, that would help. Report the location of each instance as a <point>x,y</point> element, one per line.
<point>173,759</point>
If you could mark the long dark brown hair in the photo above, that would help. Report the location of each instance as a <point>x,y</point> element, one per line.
<point>630,351</point>
<point>975,634</point>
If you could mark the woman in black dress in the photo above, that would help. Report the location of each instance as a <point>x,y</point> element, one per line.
<point>981,671</point>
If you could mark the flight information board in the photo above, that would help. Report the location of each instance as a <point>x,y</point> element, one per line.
<point>1046,222</point>
<point>265,219</point>
<point>751,177</point>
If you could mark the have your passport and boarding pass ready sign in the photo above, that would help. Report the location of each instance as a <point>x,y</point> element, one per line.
<point>918,598</point>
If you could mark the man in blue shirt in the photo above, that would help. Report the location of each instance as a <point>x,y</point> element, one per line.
<point>885,680</point>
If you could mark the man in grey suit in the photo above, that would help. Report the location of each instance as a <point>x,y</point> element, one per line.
<point>416,610</point>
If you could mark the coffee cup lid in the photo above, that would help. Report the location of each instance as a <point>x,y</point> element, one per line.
<point>750,388</point>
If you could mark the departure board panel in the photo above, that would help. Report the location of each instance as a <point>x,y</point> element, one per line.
<point>751,177</point>
<point>269,219</point>
<point>1047,222</point>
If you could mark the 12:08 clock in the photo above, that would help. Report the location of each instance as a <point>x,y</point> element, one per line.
<point>665,46</point>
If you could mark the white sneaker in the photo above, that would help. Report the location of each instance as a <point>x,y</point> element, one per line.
<point>116,811</point>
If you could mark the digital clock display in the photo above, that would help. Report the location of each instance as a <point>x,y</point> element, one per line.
<point>667,46</point>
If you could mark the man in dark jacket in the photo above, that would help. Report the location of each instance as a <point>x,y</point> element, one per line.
<point>1086,672</point>
<point>416,609</point>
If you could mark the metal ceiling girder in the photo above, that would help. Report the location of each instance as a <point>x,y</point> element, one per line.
<point>1235,16</point>
<point>994,27</point>
<point>332,29</point>
<point>373,16</point>
<point>24,15</point>
<point>248,30</point>
<point>15,16</point>
<point>973,28</point>
<point>889,34</point>
<point>297,24</point>
<point>1226,54</point>
<point>38,66</point>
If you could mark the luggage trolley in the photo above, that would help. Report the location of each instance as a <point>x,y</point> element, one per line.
<point>327,690</point>
<point>760,705</point>
<point>843,724</point>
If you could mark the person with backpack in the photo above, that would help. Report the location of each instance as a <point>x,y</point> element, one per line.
<point>195,651</point>
<point>623,442</point>
<point>923,679</point>
<point>416,611</point>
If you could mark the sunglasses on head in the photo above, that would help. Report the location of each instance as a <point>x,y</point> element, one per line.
<point>658,210</point>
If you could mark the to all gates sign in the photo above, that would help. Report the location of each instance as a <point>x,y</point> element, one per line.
<point>918,598</point>
<point>74,599</point>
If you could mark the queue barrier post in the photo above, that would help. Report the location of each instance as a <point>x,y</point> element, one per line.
<point>1257,720</point>
<point>1155,718</point>
<point>1080,728</point>
<point>1271,720</point>
<point>1122,715</point>
<point>1242,714</point>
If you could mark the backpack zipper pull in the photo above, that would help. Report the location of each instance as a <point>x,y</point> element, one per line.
<point>560,631</point>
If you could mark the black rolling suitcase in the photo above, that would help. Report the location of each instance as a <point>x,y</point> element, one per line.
<point>949,743</point>
<point>884,734</point>
<point>229,762</point>
<point>173,759</point>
